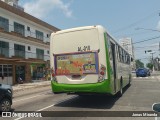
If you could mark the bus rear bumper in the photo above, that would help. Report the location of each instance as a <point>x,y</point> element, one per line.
<point>103,87</point>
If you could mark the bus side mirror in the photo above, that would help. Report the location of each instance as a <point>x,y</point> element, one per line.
<point>156,107</point>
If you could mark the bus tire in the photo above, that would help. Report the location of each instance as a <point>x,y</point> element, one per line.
<point>129,84</point>
<point>120,93</point>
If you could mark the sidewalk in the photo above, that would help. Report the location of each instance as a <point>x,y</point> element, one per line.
<point>156,73</point>
<point>21,87</point>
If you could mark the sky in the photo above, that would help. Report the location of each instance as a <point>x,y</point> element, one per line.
<point>138,19</point>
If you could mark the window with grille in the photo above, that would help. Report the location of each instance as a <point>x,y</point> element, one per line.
<point>19,28</point>
<point>39,35</point>
<point>19,50</point>
<point>4,23</point>
<point>4,48</point>
<point>40,53</point>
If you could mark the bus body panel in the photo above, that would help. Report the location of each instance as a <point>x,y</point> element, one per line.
<point>73,40</point>
<point>67,79</point>
<point>101,88</point>
<point>123,71</point>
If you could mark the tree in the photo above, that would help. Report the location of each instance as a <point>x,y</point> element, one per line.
<point>150,65</point>
<point>139,64</point>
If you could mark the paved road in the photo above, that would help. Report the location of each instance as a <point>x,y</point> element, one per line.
<point>138,97</point>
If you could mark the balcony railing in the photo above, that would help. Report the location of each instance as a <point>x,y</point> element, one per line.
<point>4,52</point>
<point>19,53</point>
<point>27,33</point>
<point>40,56</point>
<point>11,53</point>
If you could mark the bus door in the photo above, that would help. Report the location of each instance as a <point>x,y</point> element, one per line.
<point>114,63</point>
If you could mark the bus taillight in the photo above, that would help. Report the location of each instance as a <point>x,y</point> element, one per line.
<point>53,76</point>
<point>102,73</point>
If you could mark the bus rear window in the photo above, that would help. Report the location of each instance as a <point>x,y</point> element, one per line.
<point>76,63</point>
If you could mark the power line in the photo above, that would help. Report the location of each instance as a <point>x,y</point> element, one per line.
<point>145,58</point>
<point>147,40</point>
<point>144,40</point>
<point>132,34</point>
<point>146,46</point>
<point>154,30</point>
<point>137,22</point>
<point>144,50</point>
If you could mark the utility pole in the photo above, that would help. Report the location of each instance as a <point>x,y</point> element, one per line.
<point>152,59</point>
<point>159,57</point>
<point>159,48</point>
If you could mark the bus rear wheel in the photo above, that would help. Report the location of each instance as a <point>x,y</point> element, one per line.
<point>129,84</point>
<point>120,93</point>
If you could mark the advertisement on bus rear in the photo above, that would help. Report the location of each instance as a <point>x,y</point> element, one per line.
<point>76,63</point>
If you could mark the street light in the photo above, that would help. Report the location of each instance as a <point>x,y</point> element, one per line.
<point>148,51</point>
<point>154,30</point>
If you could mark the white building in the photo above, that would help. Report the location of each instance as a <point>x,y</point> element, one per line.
<point>24,44</point>
<point>128,45</point>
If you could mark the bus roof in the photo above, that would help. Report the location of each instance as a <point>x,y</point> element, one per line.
<point>100,27</point>
<point>78,29</point>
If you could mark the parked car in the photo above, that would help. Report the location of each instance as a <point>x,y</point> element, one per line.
<point>5,99</point>
<point>142,72</point>
<point>8,87</point>
<point>148,72</point>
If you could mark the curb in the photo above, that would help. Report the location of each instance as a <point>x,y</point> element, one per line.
<point>33,86</point>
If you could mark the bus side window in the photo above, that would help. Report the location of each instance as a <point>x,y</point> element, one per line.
<point>129,59</point>
<point>109,47</point>
<point>110,53</point>
<point>116,51</point>
<point>118,57</point>
<point>120,54</point>
<point>125,57</point>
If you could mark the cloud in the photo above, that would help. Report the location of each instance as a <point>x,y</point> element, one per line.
<point>43,8</point>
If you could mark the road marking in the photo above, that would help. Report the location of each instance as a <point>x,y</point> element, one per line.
<point>30,97</point>
<point>37,111</point>
<point>27,98</point>
<point>145,77</point>
<point>45,108</point>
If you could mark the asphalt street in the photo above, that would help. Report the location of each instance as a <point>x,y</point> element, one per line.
<point>138,97</point>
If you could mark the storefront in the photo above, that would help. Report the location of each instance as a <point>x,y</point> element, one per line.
<point>37,71</point>
<point>6,74</point>
<point>20,72</point>
<point>40,71</point>
<point>28,70</point>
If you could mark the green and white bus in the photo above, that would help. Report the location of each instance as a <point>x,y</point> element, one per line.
<point>87,60</point>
